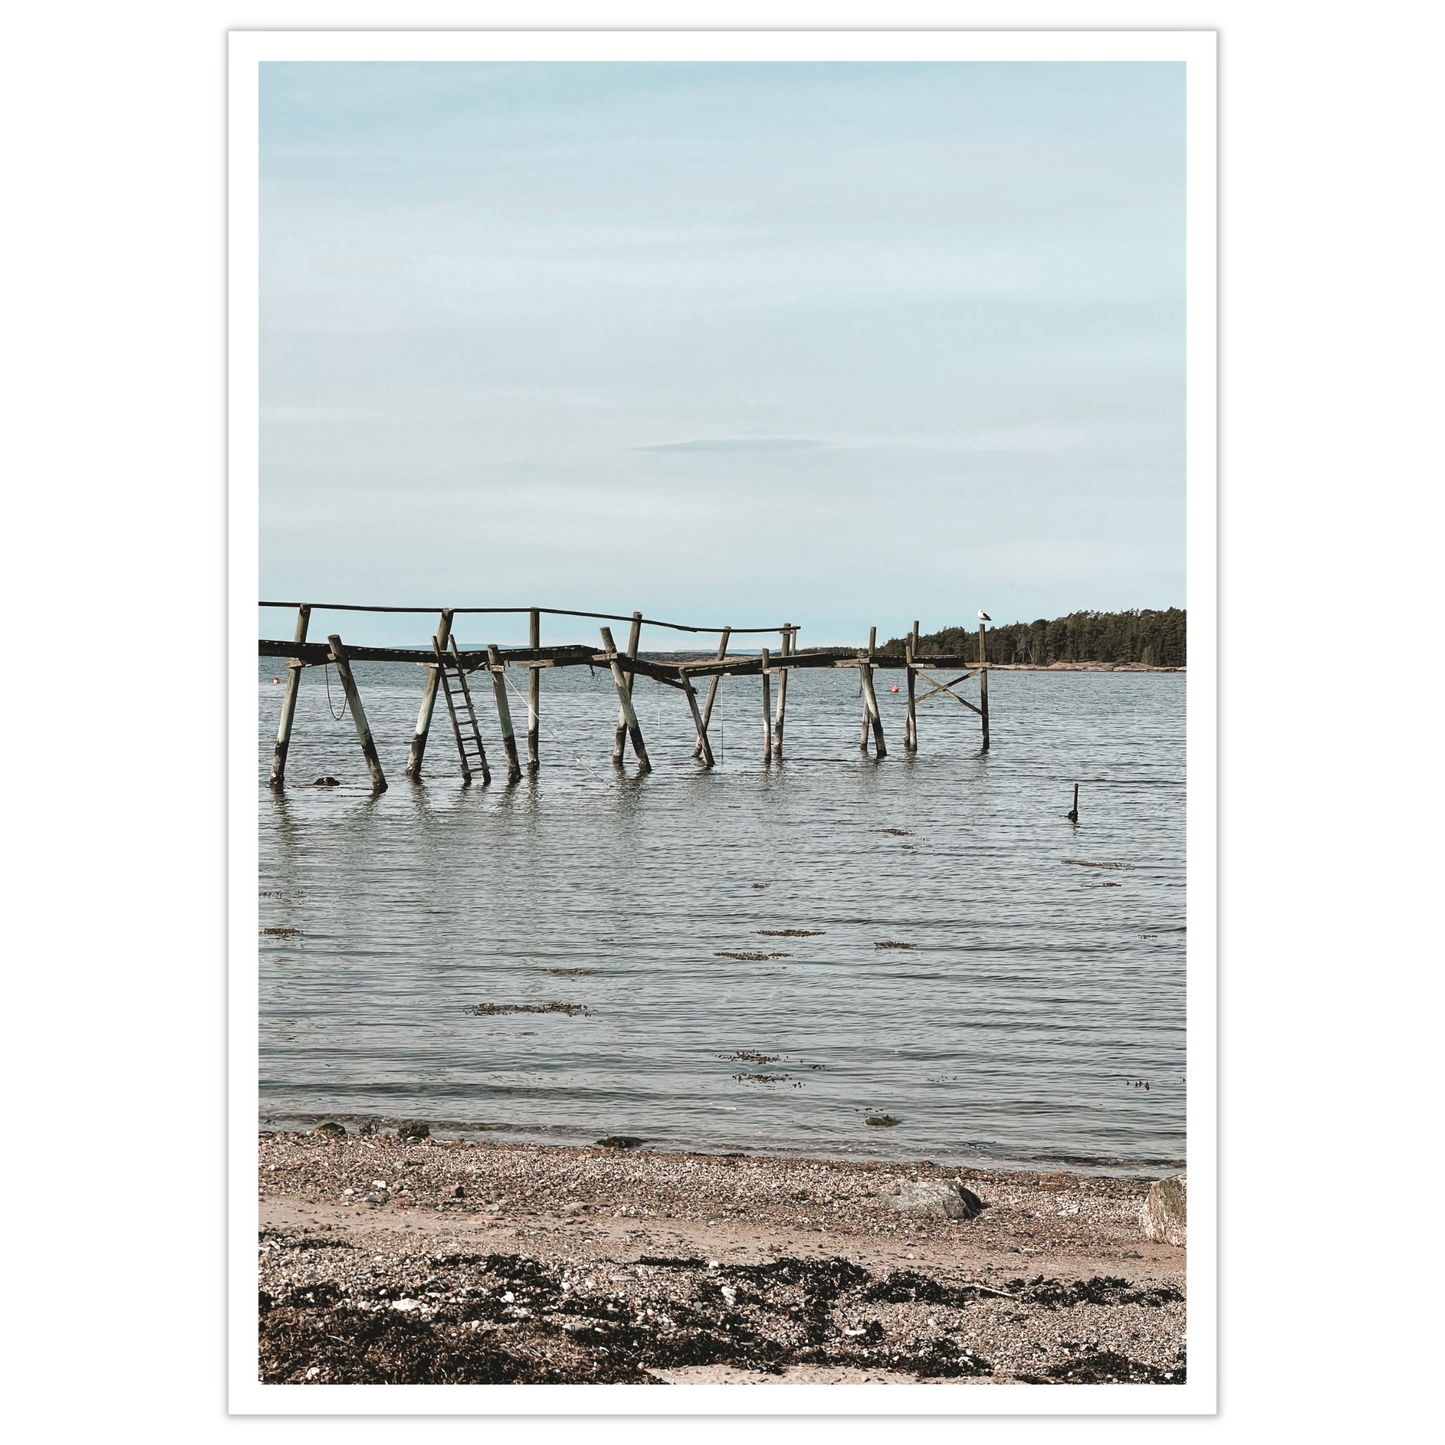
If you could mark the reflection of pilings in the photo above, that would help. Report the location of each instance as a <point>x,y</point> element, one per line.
<point>358,713</point>
<point>504,713</point>
<point>534,698</point>
<point>619,741</point>
<point>428,701</point>
<point>623,684</point>
<point>288,705</point>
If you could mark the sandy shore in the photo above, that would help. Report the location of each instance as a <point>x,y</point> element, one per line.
<point>434,1261</point>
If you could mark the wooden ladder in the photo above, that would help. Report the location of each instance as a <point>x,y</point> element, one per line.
<point>463,716</point>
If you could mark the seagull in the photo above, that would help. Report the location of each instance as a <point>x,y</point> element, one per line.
<point>983,616</point>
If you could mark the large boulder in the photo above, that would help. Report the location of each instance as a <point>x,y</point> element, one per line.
<point>944,1198</point>
<point>1163,1215</point>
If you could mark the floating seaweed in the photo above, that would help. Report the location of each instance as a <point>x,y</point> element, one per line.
<point>282,932</point>
<point>487,1010</point>
<point>893,943</point>
<point>752,957</point>
<point>1081,863</point>
<point>790,932</point>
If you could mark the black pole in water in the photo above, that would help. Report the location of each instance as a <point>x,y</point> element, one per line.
<point>1073,814</point>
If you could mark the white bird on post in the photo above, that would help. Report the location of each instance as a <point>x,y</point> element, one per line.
<point>983,616</point>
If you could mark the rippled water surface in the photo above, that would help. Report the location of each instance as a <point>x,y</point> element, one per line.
<point>1035,993</point>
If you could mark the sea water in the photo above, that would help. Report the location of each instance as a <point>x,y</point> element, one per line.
<point>1041,986</point>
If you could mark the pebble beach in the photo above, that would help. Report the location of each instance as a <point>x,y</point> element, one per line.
<point>397,1260</point>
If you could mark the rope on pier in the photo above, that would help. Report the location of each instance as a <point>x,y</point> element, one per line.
<point>550,611</point>
<point>335,716</point>
<point>566,747</point>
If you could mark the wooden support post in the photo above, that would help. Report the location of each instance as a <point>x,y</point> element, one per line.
<point>504,713</point>
<point>619,741</point>
<point>870,698</point>
<point>767,709</point>
<point>1073,814</point>
<point>703,745</point>
<point>983,684</point>
<point>623,684</point>
<point>722,652</point>
<point>910,726</point>
<point>534,698</point>
<point>358,713</point>
<point>782,693</point>
<point>428,701</point>
<point>288,705</point>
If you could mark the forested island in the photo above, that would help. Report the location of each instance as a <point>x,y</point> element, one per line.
<point>1153,639</point>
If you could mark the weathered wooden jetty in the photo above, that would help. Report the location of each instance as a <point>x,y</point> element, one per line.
<point>451,667</point>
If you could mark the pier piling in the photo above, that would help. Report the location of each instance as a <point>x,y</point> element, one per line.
<point>722,652</point>
<point>623,683</point>
<point>983,684</point>
<point>358,713</point>
<point>534,696</point>
<point>288,704</point>
<point>782,693</point>
<point>634,637</point>
<point>496,667</point>
<point>767,709</point>
<point>910,722</point>
<point>428,701</point>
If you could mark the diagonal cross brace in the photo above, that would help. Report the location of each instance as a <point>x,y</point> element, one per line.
<point>948,688</point>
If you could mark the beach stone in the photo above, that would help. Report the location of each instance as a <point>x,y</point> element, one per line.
<point>575,1206</point>
<point>1163,1216</point>
<point>619,1141</point>
<point>331,1127</point>
<point>945,1198</point>
<point>413,1129</point>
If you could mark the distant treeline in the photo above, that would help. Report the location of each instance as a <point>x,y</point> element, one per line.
<point>1155,639</point>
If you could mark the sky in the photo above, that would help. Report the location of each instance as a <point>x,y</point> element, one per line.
<point>837,344</point>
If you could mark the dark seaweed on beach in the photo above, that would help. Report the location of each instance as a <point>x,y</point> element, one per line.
<point>489,1009</point>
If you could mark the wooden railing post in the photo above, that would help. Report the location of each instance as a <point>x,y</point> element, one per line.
<point>428,700</point>
<point>624,699</point>
<point>504,712</point>
<point>288,705</point>
<point>358,713</point>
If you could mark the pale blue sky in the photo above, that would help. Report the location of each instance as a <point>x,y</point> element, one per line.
<point>838,344</point>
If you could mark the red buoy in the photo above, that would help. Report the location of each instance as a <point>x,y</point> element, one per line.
<point>894,688</point>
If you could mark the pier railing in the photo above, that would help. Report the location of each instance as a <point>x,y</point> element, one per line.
<point>451,667</point>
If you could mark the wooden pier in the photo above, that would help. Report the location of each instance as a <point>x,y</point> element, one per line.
<point>450,669</point>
